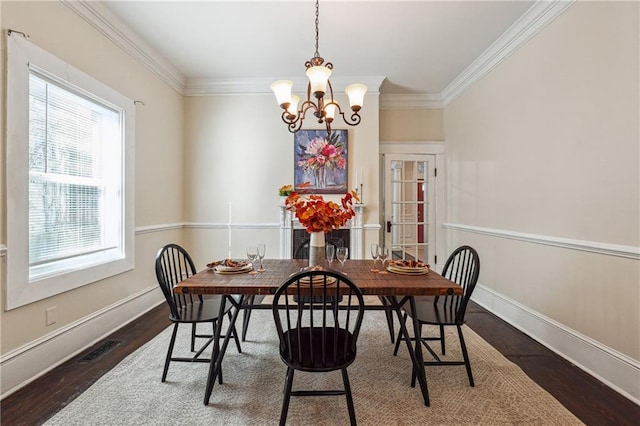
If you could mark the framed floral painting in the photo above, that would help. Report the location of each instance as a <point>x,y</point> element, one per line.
<point>320,160</point>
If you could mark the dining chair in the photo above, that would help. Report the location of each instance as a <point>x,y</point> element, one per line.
<point>463,268</point>
<point>317,336</point>
<point>173,264</point>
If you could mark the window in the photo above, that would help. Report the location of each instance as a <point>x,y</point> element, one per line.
<point>70,208</point>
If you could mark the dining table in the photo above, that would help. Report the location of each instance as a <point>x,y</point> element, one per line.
<point>395,291</point>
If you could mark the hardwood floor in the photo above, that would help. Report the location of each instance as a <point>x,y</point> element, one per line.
<point>587,398</point>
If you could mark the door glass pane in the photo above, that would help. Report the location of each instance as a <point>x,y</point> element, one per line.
<point>409,207</point>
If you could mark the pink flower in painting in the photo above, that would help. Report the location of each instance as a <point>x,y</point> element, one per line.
<point>322,153</point>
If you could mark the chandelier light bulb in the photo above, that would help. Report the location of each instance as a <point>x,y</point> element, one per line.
<point>282,90</point>
<point>292,109</point>
<point>318,78</point>
<point>356,93</point>
<point>330,112</point>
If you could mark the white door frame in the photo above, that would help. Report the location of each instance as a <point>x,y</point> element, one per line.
<point>435,148</point>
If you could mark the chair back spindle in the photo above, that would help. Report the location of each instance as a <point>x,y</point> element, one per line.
<point>174,264</point>
<point>463,268</point>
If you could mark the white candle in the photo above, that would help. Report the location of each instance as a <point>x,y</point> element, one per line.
<point>229,257</point>
<point>361,179</point>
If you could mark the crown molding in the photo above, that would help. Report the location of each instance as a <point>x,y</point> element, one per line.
<point>538,16</point>
<point>411,101</point>
<point>215,86</point>
<point>119,33</point>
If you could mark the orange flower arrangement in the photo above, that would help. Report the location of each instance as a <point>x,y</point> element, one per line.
<point>318,215</point>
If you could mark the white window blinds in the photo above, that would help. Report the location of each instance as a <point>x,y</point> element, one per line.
<point>70,175</point>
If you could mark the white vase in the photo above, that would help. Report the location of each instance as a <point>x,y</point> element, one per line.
<point>316,249</point>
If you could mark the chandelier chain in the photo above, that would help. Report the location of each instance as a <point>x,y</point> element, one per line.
<point>316,54</point>
<point>321,104</point>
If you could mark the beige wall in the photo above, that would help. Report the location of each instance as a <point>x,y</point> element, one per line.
<point>159,167</point>
<point>231,160</point>
<point>411,125</point>
<point>548,144</point>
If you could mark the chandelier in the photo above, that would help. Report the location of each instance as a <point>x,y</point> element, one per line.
<point>324,109</point>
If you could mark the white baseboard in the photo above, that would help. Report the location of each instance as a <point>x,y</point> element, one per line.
<point>613,368</point>
<point>27,363</point>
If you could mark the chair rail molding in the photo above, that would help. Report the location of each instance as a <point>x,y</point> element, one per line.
<point>613,368</point>
<point>630,252</point>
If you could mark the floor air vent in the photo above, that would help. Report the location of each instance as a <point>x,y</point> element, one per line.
<point>96,353</point>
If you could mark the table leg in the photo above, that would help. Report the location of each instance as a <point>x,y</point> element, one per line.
<point>414,353</point>
<point>215,367</point>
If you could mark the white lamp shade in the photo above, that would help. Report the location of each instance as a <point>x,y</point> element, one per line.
<point>318,77</point>
<point>356,95</point>
<point>330,111</point>
<point>293,106</point>
<point>282,90</point>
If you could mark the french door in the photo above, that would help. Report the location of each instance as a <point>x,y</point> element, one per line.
<point>409,206</point>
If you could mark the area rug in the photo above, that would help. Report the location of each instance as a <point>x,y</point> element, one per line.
<point>132,393</point>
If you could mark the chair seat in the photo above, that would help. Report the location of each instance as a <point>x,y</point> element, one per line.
<point>335,353</point>
<point>207,310</point>
<point>430,313</point>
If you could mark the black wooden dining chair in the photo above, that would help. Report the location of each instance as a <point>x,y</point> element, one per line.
<point>316,336</point>
<point>463,268</point>
<point>173,264</point>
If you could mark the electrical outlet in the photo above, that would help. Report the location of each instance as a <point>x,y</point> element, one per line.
<point>51,315</point>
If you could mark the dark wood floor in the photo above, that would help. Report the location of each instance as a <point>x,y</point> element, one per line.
<point>585,397</point>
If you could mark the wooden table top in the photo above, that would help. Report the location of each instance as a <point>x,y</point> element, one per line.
<point>359,271</point>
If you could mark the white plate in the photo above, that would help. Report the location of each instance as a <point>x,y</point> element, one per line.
<point>318,280</point>
<point>407,271</point>
<point>221,269</point>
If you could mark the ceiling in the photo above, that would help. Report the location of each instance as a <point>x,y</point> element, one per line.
<point>420,47</point>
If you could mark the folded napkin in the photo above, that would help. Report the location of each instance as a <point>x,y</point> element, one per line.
<point>230,263</point>
<point>408,264</point>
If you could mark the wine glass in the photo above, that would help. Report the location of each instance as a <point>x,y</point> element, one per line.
<point>252,255</point>
<point>262,249</point>
<point>383,254</point>
<point>341,254</point>
<point>330,251</point>
<point>374,255</point>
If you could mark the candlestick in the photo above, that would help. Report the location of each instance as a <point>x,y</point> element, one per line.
<point>361,194</point>
<point>229,226</point>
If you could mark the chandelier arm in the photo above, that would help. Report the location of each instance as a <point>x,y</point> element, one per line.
<point>288,118</point>
<point>331,91</point>
<point>353,121</point>
<point>295,126</point>
<point>306,105</point>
